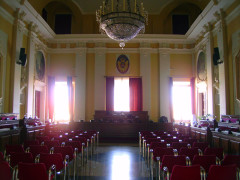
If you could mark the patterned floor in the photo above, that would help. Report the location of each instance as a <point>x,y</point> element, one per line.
<point>114,162</point>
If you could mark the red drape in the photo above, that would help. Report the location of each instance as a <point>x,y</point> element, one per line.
<point>192,84</point>
<point>70,96</point>
<point>135,86</point>
<point>170,98</point>
<point>110,93</point>
<point>51,84</point>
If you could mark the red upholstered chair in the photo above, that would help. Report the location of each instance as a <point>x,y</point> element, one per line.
<point>205,161</point>
<point>28,143</point>
<point>171,140</point>
<point>14,148</point>
<point>169,161</point>
<point>179,145</point>
<point>222,172</point>
<point>186,172</point>
<point>50,159</point>
<point>1,157</point>
<point>37,149</point>
<point>214,151</point>
<point>190,152</point>
<point>65,150</point>
<point>15,158</point>
<point>51,144</point>
<point>231,159</point>
<point>42,138</point>
<point>5,171</point>
<point>190,141</point>
<point>200,145</point>
<point>159,152</point>
<point>38,171</point>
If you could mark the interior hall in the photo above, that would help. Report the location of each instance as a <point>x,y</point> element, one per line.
<point>120,89</point>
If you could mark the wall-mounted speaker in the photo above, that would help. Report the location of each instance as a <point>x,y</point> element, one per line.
<point>216,57</point>
<point>22,57</point>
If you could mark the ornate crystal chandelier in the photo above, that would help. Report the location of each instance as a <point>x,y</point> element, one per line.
<point>121,20</point>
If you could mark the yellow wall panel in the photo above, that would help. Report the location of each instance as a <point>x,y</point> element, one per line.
<point>62,65</point>
<point>154,87</point>
<point>181,65</point>
<point>134,65</point>
<point>90,81</point>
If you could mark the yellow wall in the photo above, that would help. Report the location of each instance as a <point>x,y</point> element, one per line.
<point>181,65</point>
<point>134,65</point>
<point>62,65</point>
<point>232,27</point>
<point>90,86</point>
<point>155,92</point>
<point>7,28</point>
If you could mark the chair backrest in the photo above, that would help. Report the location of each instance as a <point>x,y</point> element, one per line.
<point>37,149</point>
<point>214,151</point>
<point>30,171</point>
<point>186,172</point>
<point>74,144</point>
<point>201,145</point>
<point>51,144</point>
<point>171,140</point>
<point>29,142</point>
<point>66,150</point>
<point>205,161</point>
<point>190,141</point>
<point>5,171</point>
<point>1,156</point>
<point>222,172</point>
<point>42,138</point>
<point>190,152</point>
<point>160,152</point>
<point>149,140</point>
<point>52,159</point>
<point>231,159</point>
<point>14,148</point>
<point>15,158</point>
<point>154,145</point>
<point>170,160</point>
<point>179,145</point>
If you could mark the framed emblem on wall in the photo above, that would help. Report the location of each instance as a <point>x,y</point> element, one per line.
<point>40,65</point>
<point>122,63</point>
<point>201,67</point>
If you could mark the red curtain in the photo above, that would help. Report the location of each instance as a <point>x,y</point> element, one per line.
<point>135,86</point>
<point>70,97</point>
<point>51,84</point>
<point>170,98</point>
<point>192,84</point>
<point>110,93</point>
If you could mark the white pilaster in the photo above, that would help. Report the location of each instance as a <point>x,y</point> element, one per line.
<point>145,72</point>
<point>164,68</point>
<point>100,81</point>
<point>80,85</point>
<point>31,63</point>
<point>17,44</point>
<point>209,55</point>
<point>222,45</point>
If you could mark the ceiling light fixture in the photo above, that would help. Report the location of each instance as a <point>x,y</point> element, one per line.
<point>121,20</point>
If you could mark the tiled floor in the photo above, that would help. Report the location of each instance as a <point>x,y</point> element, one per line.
<point>115,162</point>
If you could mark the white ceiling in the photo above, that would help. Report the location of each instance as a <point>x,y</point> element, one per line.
<point>151,6</point>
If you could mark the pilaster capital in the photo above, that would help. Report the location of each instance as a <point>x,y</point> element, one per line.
<point>81,52</point>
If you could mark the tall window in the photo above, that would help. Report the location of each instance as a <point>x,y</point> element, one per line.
<point>181,96</point>
<point>63,23</point>
<point>180,24</point>
<point>61,105</point>
<point>121,94</point>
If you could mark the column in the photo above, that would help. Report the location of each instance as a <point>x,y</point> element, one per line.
<point>17,44</point>
<point>100,81</point>
<point>209,55</point>
<point>80,85</point>
<point>30,67</point>
<point>145,72</point>
<point>223,51</point>
<point>164,68</point>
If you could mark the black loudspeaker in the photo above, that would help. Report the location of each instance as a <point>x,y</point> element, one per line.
<point>22,57</point>
<point>216,57</point>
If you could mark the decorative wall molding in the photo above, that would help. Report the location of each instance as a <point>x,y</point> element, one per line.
<point>6,15</point>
